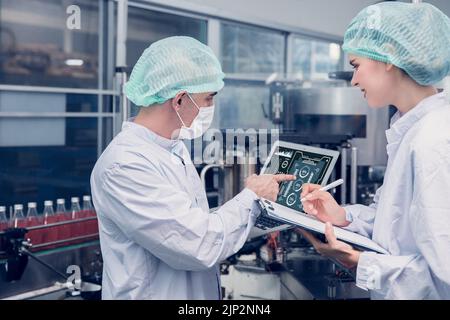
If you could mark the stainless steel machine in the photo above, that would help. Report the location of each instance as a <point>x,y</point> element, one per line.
<point>329,114</point>
<point>332,114</point>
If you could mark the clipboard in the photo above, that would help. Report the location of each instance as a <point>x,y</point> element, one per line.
<point>307,222</point>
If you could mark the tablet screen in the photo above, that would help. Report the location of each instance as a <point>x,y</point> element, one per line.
<point>308,167</point>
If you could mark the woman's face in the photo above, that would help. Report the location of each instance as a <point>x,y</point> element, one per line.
<point>376,80</point>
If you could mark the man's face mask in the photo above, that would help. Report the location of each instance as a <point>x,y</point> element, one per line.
<point>199,125</point>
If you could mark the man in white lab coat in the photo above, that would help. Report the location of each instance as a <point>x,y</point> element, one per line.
<point>157,237</point>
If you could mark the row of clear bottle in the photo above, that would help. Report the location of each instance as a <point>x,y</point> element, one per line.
<point>58,233</point>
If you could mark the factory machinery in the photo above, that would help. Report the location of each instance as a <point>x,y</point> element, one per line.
<point>38,260</point>
<point>328,114</point>
<point>53,255</point>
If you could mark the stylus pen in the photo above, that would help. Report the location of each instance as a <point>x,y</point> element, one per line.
<point>327,187</point>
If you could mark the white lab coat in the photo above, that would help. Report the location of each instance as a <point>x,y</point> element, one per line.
<point>410,216</point>
<point>157,237</point>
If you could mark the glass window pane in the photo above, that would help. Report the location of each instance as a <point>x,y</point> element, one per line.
<point>16,101</point>
<point>37,47</point>
<point>44,158</point>
<point>134,109</point>
<point>251,51</point>
<point>46,172</point>
<point>313,59</point>
<point>241,106</point>
<point>327,58</point>
<point>301,58</point>
<point>107,131</point>
<point>146,27</point>
<point>108,103</point>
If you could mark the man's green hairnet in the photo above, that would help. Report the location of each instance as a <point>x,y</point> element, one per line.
<point>172,65</point>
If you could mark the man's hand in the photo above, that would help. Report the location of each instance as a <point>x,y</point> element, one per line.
<point>334,249</point>
<point>267,185</point>
<point>322,205</point>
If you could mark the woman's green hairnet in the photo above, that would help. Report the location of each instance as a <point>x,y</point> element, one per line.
<point>412,36</point>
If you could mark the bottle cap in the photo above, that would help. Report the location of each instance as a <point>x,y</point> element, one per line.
<point>48,203</point>
<point>60,201</point>
<point>32,205</point>
<point>18,207</point>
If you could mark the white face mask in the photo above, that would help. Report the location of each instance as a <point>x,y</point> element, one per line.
<point>199,125</point>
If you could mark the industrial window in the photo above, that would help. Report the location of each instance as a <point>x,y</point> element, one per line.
<point>251,51</point>
<point>147,26</point>
<point>37,48</point>
<point>243,106</point>
<point>49,148</point>
<point>314,59</point>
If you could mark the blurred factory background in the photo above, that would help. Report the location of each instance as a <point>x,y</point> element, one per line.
<point>61,104</point>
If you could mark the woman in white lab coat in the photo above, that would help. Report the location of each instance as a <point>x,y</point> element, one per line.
<point>399,51</point>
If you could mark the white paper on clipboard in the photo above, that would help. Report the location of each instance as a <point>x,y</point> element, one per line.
<point>293,217</point>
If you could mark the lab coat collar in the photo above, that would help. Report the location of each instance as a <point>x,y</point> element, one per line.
<point>401,124</point>
<point>172,146</point>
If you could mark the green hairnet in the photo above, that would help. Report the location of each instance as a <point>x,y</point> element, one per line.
<point>413,37</point>
<point>172,65</point>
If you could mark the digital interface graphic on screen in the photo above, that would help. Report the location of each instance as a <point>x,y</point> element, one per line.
<point>308,167</point>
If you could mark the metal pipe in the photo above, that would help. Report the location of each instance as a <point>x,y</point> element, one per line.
<point>205,169</point>
<point>64,240</point>
<point>89,236</point>
<point>31,255</point>
<point>101,54</point>
<point>43,226</point>
<point>121,38</point>
<point>8,87</point>
<point>39,292</point>
<point>353,175</point>
<point>125,108</point>
<point>55,115</point>
<point>121,61</point>
<point>248,168</point>
<point>344,149</point>
<point>230,180</point>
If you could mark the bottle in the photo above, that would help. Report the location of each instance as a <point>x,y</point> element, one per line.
<point>32,220</point>
<point>75,211</point>
<point>50,234</point>
<point>88,209</point>
<point>87,205</point>
<point>49,214</point>
<point>61,216</point>
<point>61,207</point>
<point>3,218</point>
<point>75,207</point>
<point>3,224</point>
<point>18,218</point>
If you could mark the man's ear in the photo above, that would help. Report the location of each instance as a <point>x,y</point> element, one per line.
<point>176,101</point>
